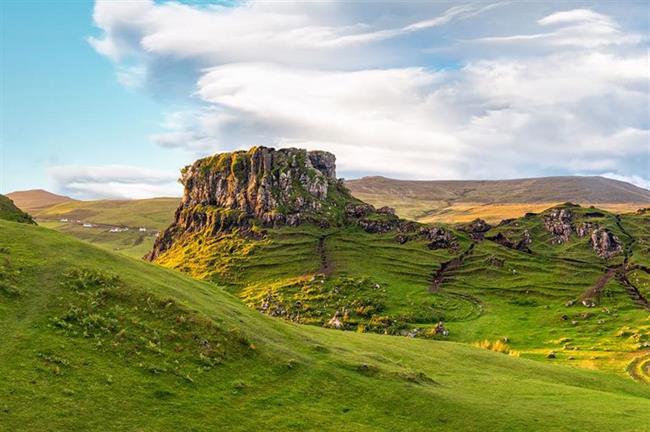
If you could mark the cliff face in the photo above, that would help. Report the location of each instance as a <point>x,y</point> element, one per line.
<point>262,187</point>
<point>274,186</point>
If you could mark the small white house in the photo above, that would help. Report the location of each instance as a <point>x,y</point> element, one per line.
<point>88,225</point>
<point>142,229</point>
<point>64,220</point>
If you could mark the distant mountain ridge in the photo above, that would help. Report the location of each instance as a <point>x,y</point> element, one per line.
<point>528,190</point>
<point>36,199</point>
<point>494,200</point>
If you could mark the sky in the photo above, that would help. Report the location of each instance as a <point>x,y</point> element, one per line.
<point>110,99</point>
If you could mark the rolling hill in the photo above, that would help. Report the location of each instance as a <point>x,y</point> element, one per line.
<point>37,199</point>
<point>493,200</point>
<point>103,342</point>
<point>570,285</point>
<point>9,211</point>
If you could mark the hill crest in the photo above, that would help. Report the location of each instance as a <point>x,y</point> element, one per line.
<point>37,199</point>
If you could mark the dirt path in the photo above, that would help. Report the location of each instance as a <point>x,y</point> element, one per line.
<point>326,267</point>
<point>447,266</point>
<point>596,290</point>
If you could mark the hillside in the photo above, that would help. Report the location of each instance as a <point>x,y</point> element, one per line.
<point>462,201</point>
<point>109,343</point>
<point>9,211</point>
<point>154,213</point>
<point>569,285</point>
<point>37,199</point>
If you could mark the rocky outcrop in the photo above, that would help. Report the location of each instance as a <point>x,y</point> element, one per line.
<point>605,243</point>
<point>586,228</point>
<point>275,186</point>
<point>438,238</point>
<point>477,229</point>
<point>559,222</point>
<point>523,245</point>
<point>262,187</point>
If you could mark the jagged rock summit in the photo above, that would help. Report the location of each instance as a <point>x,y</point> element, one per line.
<point>255,189</point>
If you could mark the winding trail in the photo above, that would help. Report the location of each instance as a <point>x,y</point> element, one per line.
<point>447,266</point>
<point>326,266</point>
<point>596,290</point>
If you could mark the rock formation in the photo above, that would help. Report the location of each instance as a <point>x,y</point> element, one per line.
<point>251,191</point>
<point>605,243</point>
<point>477,229</point>
<point>438,238</point>
<point>559,222</point>
<point>262,187</point>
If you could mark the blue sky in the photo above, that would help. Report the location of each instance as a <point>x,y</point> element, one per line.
<point>61,101</point>
<point>110,99</point>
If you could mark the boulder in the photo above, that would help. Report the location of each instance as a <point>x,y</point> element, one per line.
<point>605,243</point>
<point>559,222</point>
<point>586,228</point>
<point>438,238</point>
<point>477,229</point>
<point>357,211</point>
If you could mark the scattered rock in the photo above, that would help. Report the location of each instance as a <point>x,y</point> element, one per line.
<point>438,238</point>
<point>605,243</point>
<point>386,211</point>
<point>586,228</point>
<point>335,321</point>
<point>521,245</point>
<point>495,261</point>
<point>440,329</point>
<point>378,226</point>
<point>477,229</point>
<point>559,222</point>
<point>359,210</point>
<point>551,355</point>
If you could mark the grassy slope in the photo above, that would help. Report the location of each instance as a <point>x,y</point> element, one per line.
<point>273,375</point>
<point>155,213</point>
<point>523,301</point>
<point>9,211</point>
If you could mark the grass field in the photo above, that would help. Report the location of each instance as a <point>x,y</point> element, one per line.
<point>155,213</point>
<point>91,340</point>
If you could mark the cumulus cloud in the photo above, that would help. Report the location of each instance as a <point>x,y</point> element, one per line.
<point>363,83</point>
<point>113,182</point>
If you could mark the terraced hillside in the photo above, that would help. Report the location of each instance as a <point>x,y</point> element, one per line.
<point>558,286</point>
<point>553,302</point>
<point>101,342</point>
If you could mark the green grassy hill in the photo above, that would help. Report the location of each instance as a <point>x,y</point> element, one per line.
<point>90,340</point>
<point>9,211</point>
<point>154,213</point>
<point>528,303</point>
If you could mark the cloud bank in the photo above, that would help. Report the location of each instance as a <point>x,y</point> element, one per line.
<point>114,182</point>
<point>430,91</point>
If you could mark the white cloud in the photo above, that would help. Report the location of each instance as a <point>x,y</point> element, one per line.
<point>113,182</point>
<point>359,81</point>
<point>577,28</point>
<point>635,180</point>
